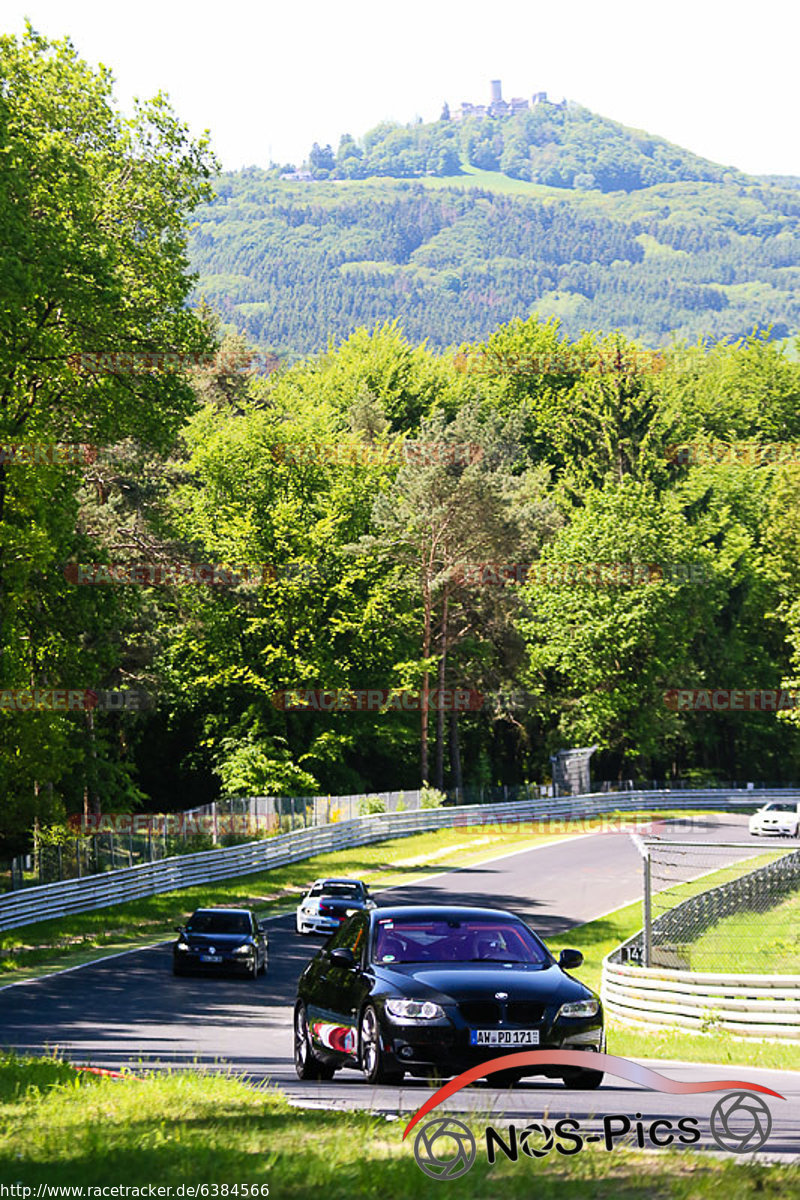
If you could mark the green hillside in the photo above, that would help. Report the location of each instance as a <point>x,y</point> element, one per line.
<point>559,145</point>
<point>293,264</point>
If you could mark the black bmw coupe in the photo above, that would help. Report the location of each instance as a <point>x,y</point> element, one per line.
<point>437,990</point>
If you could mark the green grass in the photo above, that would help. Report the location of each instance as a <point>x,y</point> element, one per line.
<point>60,1128</point>
<point>759,943</point>
<point>494,181</point>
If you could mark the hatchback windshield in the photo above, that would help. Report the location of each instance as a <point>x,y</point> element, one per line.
<point>456,940</point>
<point>219,922</point>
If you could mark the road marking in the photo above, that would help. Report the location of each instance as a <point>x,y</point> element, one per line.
<point>80,966</point>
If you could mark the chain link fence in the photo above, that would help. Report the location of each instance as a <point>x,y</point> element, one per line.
<point>109,841</point>
<point>720,907</point>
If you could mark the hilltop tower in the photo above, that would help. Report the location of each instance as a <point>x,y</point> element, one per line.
<point>497,90</point>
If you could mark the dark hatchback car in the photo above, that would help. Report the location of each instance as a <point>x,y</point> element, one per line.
<point>221,939</point>
<point>437,990</point>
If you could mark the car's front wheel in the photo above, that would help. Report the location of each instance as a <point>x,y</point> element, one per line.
<point>584,1081</point>
<point>372,1055</point>
<point>503,1079</point>
<point>306,1064</point>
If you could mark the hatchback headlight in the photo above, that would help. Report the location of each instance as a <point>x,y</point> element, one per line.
<point>579,1008</point>
<point>243,950</point>
<point>414,1010</point>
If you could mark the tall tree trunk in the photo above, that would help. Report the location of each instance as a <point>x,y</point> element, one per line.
<point>440,734</point>
<point>455,753</point>
<point>426,678</point>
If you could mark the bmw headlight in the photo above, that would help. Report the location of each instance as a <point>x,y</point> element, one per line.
<point>246,949</point>
<point>579,1008</point>
<point>414,1010</point>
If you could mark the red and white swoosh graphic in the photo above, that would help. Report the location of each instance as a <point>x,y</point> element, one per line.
<point>623,1068</point>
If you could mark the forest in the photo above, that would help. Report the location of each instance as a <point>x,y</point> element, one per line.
<point>293,265</point>
<point>502,515</point>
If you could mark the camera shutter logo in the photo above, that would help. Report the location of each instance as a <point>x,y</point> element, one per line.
<point>740,1122</point>
<point>536,1140</point>
<point>452,1156</point>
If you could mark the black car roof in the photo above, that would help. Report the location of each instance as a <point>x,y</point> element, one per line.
<point>248,912</point>
<point>441,911</point>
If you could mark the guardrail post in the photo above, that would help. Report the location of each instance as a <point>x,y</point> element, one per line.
<point>647,927</point>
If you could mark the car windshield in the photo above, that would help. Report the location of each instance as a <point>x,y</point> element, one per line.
<point>219,922</point>
<point>455,939</point>
<point>337,891</point>
<point>781,808</point>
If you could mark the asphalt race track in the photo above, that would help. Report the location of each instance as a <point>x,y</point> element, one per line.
<point>130,1009</point>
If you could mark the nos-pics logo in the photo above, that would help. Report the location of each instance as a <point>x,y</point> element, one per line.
<point>445,1148</point>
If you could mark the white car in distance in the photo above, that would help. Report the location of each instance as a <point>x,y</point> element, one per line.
<point>329,902</point>
<point>781,817</point>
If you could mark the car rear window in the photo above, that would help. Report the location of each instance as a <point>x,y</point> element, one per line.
<point>455,940</point>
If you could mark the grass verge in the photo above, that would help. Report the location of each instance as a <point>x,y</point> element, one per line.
<point>762,943</point>
<point>193,1129</point>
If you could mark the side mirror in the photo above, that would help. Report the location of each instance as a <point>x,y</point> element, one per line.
<point>180,929</point>
<point>262,926</point>
<point>342,957</point>
<point>568,960</point>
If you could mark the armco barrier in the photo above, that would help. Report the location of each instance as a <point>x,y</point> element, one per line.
<point>754,1006</point>
<point>55,900</point>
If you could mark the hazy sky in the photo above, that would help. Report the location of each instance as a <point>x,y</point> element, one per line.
<point>717,76</point>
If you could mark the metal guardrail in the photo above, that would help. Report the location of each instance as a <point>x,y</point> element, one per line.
<point>757,1006</point>
<point>50,901</point>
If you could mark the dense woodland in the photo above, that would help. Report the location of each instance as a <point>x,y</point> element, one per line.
<point>294,265</point>
<point>366,585</point>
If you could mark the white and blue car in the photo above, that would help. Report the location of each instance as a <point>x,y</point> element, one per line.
<point>329,902</point>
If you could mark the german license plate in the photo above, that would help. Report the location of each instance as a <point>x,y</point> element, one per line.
<point>210,958</point>
<point>504,1037</point>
